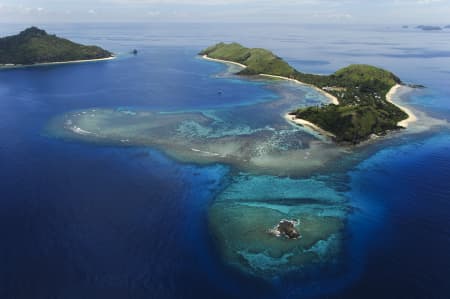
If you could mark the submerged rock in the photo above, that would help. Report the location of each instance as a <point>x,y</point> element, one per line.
<point>287,229</point>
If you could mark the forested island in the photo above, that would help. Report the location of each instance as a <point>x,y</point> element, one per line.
<point>361,109</point>
<point>35,46</point>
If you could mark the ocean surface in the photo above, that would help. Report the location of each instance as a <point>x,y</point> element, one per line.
<point>142,217</point>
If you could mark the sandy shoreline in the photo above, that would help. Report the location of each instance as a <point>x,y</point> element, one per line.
<point>292,118</point>
<point>224,61</point>
<point>305,123</point>
<point>55,63</point>
<point>389,97</point>
<point>332,98</point>
<point>411,117</point>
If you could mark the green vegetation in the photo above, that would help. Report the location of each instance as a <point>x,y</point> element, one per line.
<point>34,45</point>
<point>258,61</point>
<point>361,90</point>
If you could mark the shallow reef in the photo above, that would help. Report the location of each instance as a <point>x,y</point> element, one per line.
<point>253,138</point>
<point>242,219</point>
<point>275,173</point>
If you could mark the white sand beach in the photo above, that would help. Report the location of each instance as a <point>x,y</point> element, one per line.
<point>56,63</point>
<point>287,116</point>
<point>332,98</point>
<point>302,122</point>
<point>291,118</point>
<point>411,117</point>
<point>224,61</point>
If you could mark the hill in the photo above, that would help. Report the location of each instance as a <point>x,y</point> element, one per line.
<point>360,89</point>
<point>258,61</point>
<point>34,46</point>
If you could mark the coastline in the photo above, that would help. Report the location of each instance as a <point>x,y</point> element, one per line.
<point>292,118</point>
<point>411,117</point>
<point>55,63</point>
<point>224,61</point>
<point>332,98</point>
<point>305,123</point>
<point>389,97</point>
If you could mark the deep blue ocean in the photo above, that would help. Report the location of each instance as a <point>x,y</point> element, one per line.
<point>87,220</point>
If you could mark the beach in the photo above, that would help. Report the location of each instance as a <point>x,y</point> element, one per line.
<point>224,61</point>
<point>291,118</point>
<point>411,117</point>
<point>302,122</point>
<point>55,63</point>
<point>332,98</point>
<point>287,116</point>
<point>389,97</point>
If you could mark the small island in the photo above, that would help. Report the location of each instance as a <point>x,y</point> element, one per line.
<point>429,27</point>
<point>360,95</point>
<point>34,46</point>
<point>287,229</point>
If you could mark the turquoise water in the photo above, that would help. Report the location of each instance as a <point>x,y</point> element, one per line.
<point>141,180</point>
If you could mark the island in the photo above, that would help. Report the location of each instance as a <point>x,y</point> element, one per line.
<point>286,228</point>
<point>34,46</point>
<point>360,95</point>
<point>429,27</point>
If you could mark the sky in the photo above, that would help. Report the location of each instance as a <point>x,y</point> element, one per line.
<point>433,12</point>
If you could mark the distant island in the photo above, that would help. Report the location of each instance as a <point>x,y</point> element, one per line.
<point>34,46</point>
<point>429,28</point>
<point>360,94</point>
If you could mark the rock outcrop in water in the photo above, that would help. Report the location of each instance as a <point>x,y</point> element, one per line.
<point>287,229</point>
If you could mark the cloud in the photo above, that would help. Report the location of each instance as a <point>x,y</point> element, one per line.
<point>190,2</point>
<point>415,2</point>
<point>154,13</point>
<point>229,2</point>
<point>428,1</point>
<point>288,11</point>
